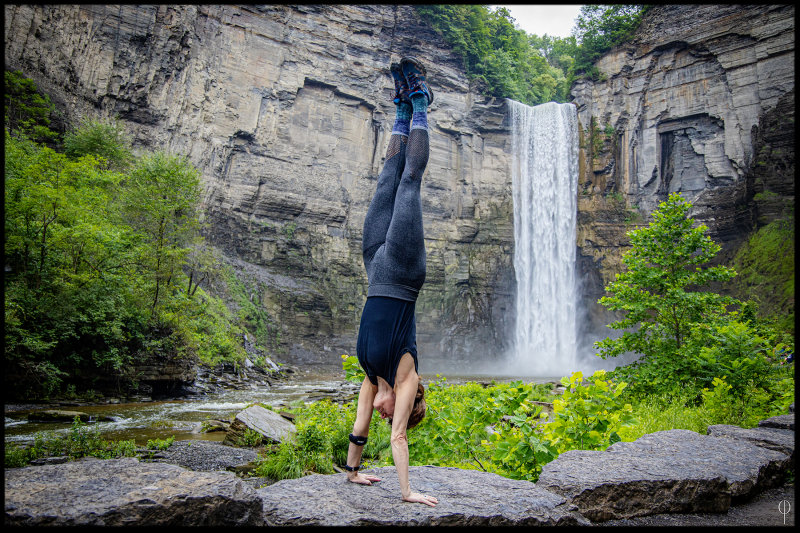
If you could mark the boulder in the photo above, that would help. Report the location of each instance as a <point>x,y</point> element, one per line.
<point>466,498</point>
<point>58,415</point>
<point>675,471</point>
<point>781,440</point>
<point>778,422</point>
<point>272,426</point>
<point>118,492</point>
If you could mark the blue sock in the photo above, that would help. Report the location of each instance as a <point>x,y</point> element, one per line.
<point>402,119</point>
<point>419,120</point>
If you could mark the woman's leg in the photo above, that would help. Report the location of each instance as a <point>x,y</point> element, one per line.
<point>404,261</point>
<point>379,214</point>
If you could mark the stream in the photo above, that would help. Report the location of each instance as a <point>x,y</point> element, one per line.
<point>183,418</point>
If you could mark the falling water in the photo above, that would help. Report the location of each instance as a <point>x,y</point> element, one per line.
<point>545,180</point>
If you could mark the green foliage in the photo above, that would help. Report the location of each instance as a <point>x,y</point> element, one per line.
<point>161,203</point>
<point>501,427</point>
<point>27,111</point>
<point>765,265</point>
<point>160,444</point>
<point>588,416</point>
<point>320,442</point>
<point>658,295</point>
<point>251,314</point>
<point>599,28</point>
<point>529,68</point>
<point>687,338</point>
<point>510,63</point>
<point>352,369</point>
<point>251,438</point>
<point>103,266</point>
<point>69,303</point>
<point>81,441</point>
<point>103,139</point>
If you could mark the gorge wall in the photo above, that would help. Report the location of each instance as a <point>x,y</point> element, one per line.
<point>700,102</point>
<point>286,112</point>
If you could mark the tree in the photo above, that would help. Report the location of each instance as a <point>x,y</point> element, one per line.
<point>162,198</point>
<point>106,139</point>
<point>599,28</point>
<point>659,293</point>
<point>27,112</point>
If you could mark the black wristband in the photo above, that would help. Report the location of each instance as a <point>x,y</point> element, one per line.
<point>358,441</point>
<point>352,468</point>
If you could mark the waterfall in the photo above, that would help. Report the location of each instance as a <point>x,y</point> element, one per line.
<point>545,181</point>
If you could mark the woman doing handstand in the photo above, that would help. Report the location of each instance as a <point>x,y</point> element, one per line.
<point>394,256</point>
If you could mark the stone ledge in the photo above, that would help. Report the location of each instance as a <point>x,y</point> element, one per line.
<point>675,471</point>
<point>781,440</point>
<point>116,492</point>
<point>466,498</point>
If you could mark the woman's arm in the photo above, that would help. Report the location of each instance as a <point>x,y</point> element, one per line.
<point>361,429</point>
<point>404,402</point>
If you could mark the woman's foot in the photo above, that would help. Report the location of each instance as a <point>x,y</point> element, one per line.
<point>400,84</point>
<point>414,72</point>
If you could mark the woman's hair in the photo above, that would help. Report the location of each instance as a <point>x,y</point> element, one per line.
<point>417,410</point>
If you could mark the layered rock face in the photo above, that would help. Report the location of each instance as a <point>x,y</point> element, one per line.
<point>287,112</point>
<point>701,102</point>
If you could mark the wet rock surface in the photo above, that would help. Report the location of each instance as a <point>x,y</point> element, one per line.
<point>466,497</point>
<point>125,491</point>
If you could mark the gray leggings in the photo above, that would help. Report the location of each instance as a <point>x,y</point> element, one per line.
<point>393,243</point>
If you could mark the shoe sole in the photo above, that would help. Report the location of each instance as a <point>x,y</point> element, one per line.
<point>414,61</point>
<point>417,63</point>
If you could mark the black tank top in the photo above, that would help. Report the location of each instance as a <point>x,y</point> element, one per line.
<point>387,331</point>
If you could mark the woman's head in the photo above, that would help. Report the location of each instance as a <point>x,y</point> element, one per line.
<point>417,410</point>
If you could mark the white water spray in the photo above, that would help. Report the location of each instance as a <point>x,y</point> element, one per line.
<point>545,181</point>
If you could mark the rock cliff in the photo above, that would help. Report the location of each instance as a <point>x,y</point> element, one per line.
<point>286,112</point>
<point>700,102</point>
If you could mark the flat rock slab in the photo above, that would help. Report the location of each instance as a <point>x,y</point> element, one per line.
<point>118,492</point>
<point>466,497</point>
<point>272,426</point>
<point>675,471</point>
<point>778,422</point>
<point>781,440</point>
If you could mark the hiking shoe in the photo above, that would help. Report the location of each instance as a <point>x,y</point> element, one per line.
<point>400,85</point>
<point>414,72</point>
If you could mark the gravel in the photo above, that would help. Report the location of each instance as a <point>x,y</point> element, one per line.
<point>205,456</point>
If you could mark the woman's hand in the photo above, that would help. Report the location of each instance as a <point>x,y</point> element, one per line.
<point>416,497</point>
<point>362,479</point>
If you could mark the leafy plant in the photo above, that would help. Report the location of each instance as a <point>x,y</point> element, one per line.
<point>658,293</point>
<point>160,444</point>
<point>251,438</point>
<point>589,415</point>
<point>80,441</point>
<point>352,369</point>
